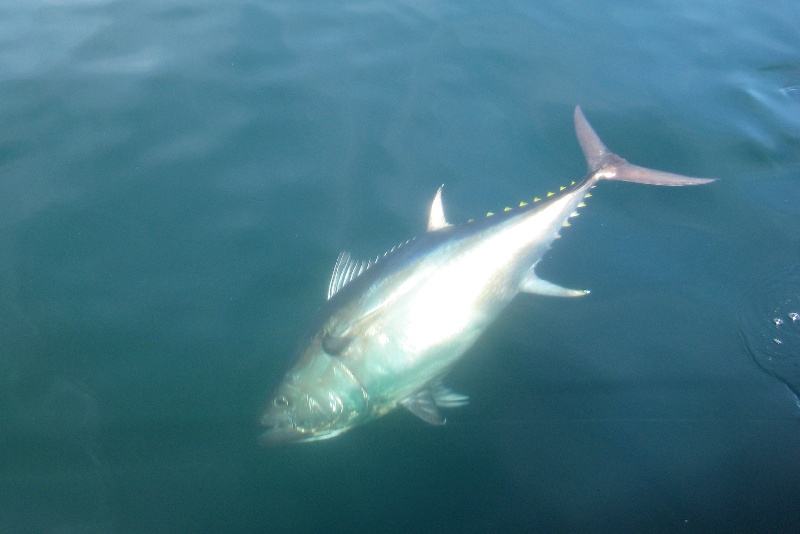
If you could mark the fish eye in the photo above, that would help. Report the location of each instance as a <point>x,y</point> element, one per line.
<point>281,402</point>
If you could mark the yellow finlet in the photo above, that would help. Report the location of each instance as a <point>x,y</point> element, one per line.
<point>471,220</point>
<point>537,199</point>
<point>550,193</point>
<point>587,195</point>
<point>574,214</point>
<point>567,224</point>
<point>489,214</point>
<point>562,188</point>
<point>572,182</point>
<point>506,209</point>
<point>523,204</point>
<point>582,205</point>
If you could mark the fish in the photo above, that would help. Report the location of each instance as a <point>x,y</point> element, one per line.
<point>392,327</point>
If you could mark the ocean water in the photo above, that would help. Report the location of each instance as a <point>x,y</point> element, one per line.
<point>177,179</point>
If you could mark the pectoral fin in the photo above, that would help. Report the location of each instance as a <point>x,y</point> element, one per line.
<point>423,405</point>
<point>534,284</point>
<point>335,345</point>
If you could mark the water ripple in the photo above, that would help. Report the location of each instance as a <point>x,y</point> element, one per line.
<point>770,326</point>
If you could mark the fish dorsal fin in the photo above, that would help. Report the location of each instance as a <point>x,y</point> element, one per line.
<point>345,270</point>
<point>436,219</point>
<point>423,405</point>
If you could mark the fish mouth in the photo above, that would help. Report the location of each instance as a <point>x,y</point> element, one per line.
<point>278,435</point>
<point>283,435</point>
<point>280,428</point>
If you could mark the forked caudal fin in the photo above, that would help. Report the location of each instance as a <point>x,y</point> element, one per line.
<point>605,165</point>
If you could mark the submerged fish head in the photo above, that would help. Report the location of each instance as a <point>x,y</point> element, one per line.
<point>319,398</point>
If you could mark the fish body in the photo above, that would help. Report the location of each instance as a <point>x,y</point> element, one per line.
<point>393,327</point>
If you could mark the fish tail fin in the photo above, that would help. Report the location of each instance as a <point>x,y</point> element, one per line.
<point>605,165</point>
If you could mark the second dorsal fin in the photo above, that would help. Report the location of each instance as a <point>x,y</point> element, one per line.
<point>436,219</point>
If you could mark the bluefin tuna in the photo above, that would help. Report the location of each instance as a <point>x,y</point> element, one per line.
<point>393,327</point>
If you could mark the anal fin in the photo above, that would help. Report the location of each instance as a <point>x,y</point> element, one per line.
<point>534,284</point>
